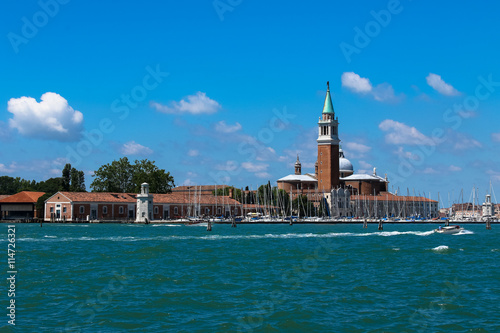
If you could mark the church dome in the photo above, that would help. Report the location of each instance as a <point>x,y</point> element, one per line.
<point>344,164</point>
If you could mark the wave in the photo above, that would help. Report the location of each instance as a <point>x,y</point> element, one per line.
<point>397,233</point>
<point>166,225</point>
<point>72,225</point>
<point>464,232</point>
<point>227,237</point>
<point>50,236</point>
<point>441,248</point>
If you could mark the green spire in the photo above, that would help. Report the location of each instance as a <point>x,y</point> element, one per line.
<point>328,107</point>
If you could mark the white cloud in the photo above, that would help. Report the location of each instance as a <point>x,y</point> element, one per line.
<point>462,141</point>
<point>365,167</point>
<point>228,166</point>
<point>495,175</point>
<point>356,83</point>
<point>436,82</point>
<point>188,182</point>
<point>254,167</point>
<point>193,153</point>
<point>357,147</point>
<point>222,127</point>
<point>399,134</point>
<point>263,175</point>
<point>7,169</point>
<point>495,137</point>
<point>266,154</point>
<point>195,104</point>
<point>383,92</point>
<point>51,119</point>
<point>406,154</point>
<point>454,168</point>
<point>133,148</point>
<point>429,171</point>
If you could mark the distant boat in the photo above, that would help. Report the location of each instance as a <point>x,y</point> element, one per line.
<point>449,230</point>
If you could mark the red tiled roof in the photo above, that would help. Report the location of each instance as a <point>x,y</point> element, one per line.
<point>170,198</point>
<point>390,197</point>
<point>99,197</point>
<point>23,197</point>
<point>3,196</point>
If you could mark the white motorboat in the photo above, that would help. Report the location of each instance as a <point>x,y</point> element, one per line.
<point>450,230</point>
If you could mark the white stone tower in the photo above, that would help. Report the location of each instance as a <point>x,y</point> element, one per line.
<point>144,205</point>
<point>488,207</point>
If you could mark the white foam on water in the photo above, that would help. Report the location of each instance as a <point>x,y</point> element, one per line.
<point>73,225</point>
<point>396,249</point>
<point>231,237</point>
<point>167,225</point>
<point>495,250</point>
<point>441,248</point>
<point>464,232</point>
<point>397,233</point>
<point>50,236</point>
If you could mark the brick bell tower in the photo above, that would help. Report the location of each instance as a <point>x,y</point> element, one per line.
<point>328,147</point>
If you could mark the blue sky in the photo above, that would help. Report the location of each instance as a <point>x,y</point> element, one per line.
<point>230,91</point>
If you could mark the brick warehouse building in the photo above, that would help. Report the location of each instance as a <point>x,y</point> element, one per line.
<point>82,206</point>
<point>19,206</point>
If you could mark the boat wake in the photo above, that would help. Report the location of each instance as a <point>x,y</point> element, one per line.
<point>225,237</point>
<point>464,232</point>
<point>166,225</point>
<point>441,248</point>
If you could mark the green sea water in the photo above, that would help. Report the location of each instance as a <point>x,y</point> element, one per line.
<point>253,278</point>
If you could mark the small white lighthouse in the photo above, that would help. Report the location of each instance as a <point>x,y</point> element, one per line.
<point>144,205</point>
<point>488,208</point>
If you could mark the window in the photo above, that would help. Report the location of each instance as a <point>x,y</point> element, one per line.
<point>176,210</point>
<point>207,211</point>
<point>58,206</point>
<point>105,209</point>
<point>219,211</point>
<point>120,210</point>
<point>51,209</point>
<point>82,209</point>
<point>156,210</point>
<point>64,209</point>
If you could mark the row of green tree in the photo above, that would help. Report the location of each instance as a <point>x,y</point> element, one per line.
<point>70,180</point>
<point>117,176</point>
<point>124,177</point>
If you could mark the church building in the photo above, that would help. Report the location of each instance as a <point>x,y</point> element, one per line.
<point>332,169</point>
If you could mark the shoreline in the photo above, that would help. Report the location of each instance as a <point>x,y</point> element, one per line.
<point>361,222</point>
